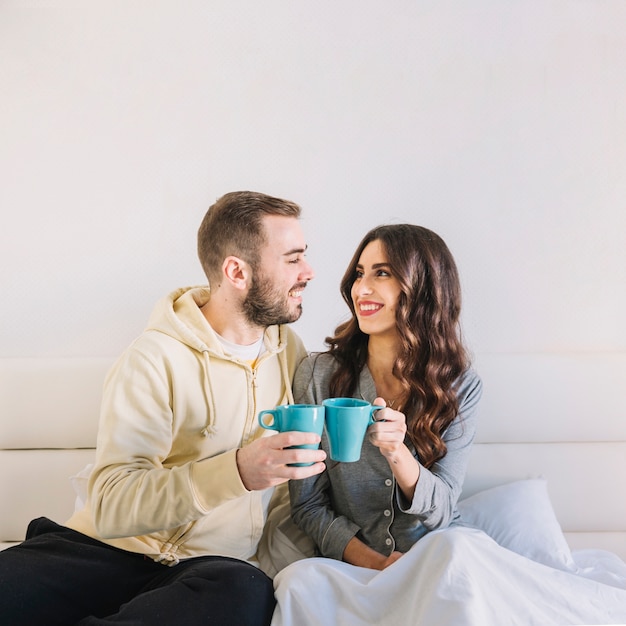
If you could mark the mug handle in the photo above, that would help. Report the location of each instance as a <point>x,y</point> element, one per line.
<point>373,410</point>
<point>272,425</point>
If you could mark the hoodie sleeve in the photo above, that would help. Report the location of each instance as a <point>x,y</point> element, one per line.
<point>137,487</point>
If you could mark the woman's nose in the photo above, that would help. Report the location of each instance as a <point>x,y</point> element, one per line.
<point>362,287</point>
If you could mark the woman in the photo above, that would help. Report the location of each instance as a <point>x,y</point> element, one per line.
<point>401,349</point>
<point>393,512</point>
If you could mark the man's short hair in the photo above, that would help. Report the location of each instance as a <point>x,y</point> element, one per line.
<point>233,225</point>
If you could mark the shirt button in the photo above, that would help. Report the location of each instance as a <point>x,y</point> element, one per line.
<point>388,542</point>
<point>388,482</point>
<point>386,512</point>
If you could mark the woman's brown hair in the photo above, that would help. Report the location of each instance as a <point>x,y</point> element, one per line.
<point>431,356</point>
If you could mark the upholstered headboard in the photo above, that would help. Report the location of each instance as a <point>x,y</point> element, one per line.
<point>557,416</point>
<point>48,432</point>
<point>561,417</point>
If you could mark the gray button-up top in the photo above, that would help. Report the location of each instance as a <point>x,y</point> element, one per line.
<point>361,498</point>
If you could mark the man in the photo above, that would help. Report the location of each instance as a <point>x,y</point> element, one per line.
<point>183,475</point>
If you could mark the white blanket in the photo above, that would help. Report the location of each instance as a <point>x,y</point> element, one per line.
<point>457,576</point>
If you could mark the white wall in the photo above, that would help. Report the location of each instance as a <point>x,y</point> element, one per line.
<point>501,125</point>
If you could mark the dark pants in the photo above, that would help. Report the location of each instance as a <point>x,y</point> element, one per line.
<point>59,576</point>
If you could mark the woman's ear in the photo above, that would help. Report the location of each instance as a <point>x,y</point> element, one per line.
<point>237,272</point>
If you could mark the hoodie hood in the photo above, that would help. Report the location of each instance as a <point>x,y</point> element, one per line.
<point>178,316</point>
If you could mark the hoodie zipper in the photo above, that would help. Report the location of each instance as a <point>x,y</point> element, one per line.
<point>248,434</point>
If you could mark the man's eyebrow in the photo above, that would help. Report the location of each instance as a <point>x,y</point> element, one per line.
<point>296,251</point>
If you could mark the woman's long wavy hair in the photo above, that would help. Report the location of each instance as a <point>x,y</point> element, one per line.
<point>431,355</point>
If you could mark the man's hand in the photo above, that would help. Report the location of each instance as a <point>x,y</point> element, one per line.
<point>265,462</point>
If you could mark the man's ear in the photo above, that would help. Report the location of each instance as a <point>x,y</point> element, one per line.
<point>237,272</point>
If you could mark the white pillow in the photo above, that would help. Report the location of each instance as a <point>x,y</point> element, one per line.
<point>79,483</point>
<point>519,516</point>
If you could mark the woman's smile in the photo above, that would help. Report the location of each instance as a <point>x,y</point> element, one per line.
<point>367,308</point>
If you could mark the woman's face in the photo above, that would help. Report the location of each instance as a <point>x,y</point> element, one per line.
<point>375,292</point>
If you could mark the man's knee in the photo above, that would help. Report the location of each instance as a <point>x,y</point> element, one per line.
<point>215,589</point>
<point>238,577</point>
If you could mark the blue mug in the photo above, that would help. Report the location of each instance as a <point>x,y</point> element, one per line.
<point>307,418</point>
<point>347,419</point>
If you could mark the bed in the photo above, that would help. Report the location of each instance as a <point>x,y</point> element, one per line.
<point>551,442</point>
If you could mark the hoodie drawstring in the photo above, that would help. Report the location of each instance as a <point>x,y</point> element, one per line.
<point>209,429</point>
<point>282,359</point>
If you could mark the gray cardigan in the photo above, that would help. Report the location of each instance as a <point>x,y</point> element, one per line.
<point>361,499</point>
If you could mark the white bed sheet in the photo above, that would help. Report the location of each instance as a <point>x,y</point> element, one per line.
<point>507,563</point>
<point>459,577</point>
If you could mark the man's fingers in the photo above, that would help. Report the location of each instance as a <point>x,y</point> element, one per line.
<point>292,438</point>
<point>299,472</point>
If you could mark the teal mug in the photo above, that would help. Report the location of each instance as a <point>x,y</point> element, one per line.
<point>347,419</point>
<point>307,418</point>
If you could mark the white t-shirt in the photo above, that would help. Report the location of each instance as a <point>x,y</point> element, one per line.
<point>249,354</point>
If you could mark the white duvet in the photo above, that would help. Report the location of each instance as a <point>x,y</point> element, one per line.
<point>458,576</point>
<point>512,567</point>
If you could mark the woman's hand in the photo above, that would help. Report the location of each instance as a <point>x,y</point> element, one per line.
<point>357,553</point>
<point>388,437</point>
<point>388,431</point>
<point>392,558</point>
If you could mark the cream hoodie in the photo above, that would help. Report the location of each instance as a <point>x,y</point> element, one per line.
<point>175,409</point>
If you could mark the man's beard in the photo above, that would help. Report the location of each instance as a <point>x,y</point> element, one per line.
<point>265,306</point>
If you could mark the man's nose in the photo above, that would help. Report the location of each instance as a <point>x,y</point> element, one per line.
<point>307,272</point>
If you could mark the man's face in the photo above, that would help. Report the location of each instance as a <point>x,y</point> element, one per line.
<point>275,296</point>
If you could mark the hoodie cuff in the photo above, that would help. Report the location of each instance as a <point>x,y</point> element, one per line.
<point>216,480</point>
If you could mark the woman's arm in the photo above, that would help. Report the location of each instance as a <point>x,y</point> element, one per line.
<point>311,509</point>
<point>388,434</point>
<point>438,489</point>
